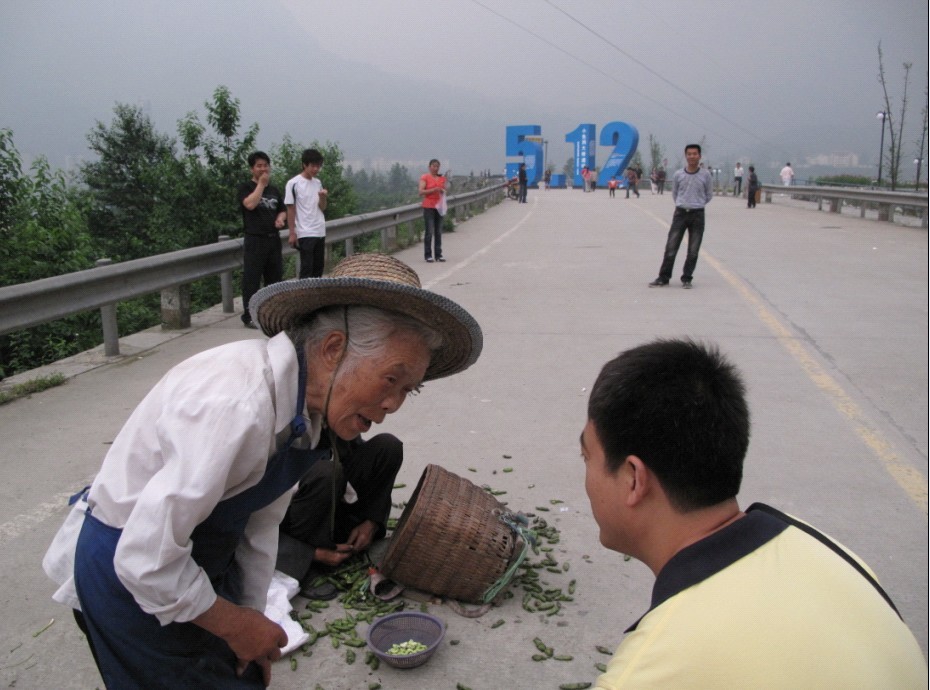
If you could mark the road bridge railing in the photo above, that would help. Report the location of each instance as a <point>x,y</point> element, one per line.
<point>836,197</point>
<point>103,287</point>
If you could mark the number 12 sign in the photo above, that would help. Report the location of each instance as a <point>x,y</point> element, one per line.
<point>622,139</point>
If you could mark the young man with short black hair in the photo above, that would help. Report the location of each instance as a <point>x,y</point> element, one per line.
<point>263,216</point>
<point>692,190</point>
<point>306,200</point>
<point>743,598</point>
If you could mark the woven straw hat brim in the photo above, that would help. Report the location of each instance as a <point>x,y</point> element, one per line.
<point>281,306</point>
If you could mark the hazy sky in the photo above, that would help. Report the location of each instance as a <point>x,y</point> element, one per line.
<point>408,81</point>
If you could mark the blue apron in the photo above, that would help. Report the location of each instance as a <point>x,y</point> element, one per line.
<point>131,647</point>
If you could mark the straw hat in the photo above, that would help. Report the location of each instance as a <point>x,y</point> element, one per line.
<point>374,280</point>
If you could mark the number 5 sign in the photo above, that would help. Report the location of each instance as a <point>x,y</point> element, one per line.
<point>621,138</point>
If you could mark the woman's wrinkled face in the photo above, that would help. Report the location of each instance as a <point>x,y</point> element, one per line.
<point>377,386</point>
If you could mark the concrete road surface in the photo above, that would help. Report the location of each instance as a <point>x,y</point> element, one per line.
<point>826,315</point>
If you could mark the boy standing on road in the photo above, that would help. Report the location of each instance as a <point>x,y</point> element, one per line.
<point>263,215</point>
<point>692,190</point>
<point>306,200</point>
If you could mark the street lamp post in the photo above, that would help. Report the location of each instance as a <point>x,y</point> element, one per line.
<point>917,162</point>
<point>881,147</point>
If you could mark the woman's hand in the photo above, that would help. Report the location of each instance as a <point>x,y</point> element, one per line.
<point>250,635</point>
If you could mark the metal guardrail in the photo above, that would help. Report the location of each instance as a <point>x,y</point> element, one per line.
<point>884,201</point>
<point>41,301</point>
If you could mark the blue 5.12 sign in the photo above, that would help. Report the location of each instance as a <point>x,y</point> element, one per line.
<point>621,138</point>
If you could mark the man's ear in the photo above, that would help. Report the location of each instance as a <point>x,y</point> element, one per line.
<point>639,480</point>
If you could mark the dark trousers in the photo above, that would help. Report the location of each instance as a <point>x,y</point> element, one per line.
<point>693,222</point>
<point>737,186</point>
<point>312,256</point>
<point>751,197</point>
<point>432,238</point>
<point>521,194</point>
<point>371,468</point>
<point>131,648</point>
<point>261,261</point>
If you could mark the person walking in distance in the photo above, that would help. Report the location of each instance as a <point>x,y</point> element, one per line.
<point>522,181</point>
<point>692,190</point>
<point>753,188</point>
<point>432,187</point>
<point>306,200</point>
<point>787,175</point>
<point>738,180</point>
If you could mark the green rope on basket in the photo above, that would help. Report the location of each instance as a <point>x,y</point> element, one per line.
<point>520,526</point>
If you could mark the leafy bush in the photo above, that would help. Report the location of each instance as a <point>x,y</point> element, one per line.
<point>843,180</point>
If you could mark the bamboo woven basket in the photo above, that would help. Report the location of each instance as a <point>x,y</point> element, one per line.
<point>450,540</point>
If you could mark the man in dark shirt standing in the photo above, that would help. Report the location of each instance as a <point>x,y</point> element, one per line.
<point>263,215</point>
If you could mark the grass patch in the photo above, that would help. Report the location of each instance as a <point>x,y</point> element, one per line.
<point>21,390</point>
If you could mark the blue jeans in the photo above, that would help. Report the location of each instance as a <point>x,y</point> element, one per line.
<point>693,222</point>
<point>432,223</point>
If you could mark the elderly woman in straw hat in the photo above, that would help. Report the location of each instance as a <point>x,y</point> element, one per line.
<point>176,537</point>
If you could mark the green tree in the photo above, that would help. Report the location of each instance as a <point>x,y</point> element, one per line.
<point>43,233</point>
<point>215,162</point>
<point>135,173</point>
<point>656,153</point>
<point>569,169</point>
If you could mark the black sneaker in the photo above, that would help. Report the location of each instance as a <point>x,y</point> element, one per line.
<point>440,259</point>
<point>429,259</point>
<point>658,282</point>
<point>686,284</point>
<point>249,324</point>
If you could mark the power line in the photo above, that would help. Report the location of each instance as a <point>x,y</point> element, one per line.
<point>595,68</point>
<point>656,74</point>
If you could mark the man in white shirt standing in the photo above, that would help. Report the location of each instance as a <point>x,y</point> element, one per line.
<point>306,198</point>
<point>738,180</point>
<point>787,175</point>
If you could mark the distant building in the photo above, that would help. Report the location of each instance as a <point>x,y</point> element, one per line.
<point>834,160</point>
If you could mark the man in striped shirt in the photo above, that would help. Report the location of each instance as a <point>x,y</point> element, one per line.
<point>692,190</point>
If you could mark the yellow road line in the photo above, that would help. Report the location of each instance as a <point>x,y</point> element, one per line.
<point>908,478</point>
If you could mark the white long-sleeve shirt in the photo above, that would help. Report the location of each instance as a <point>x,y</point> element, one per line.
<point>204,433</point>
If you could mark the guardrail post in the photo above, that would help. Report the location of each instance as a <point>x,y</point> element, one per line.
<point>350,247</point>
<point>176,307</point>
<point>226,284</point>
<point>109,323</point>
<point>768,197</point>
<point>835,205</point>
<point>885,212</point>
<point>389,238</point>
